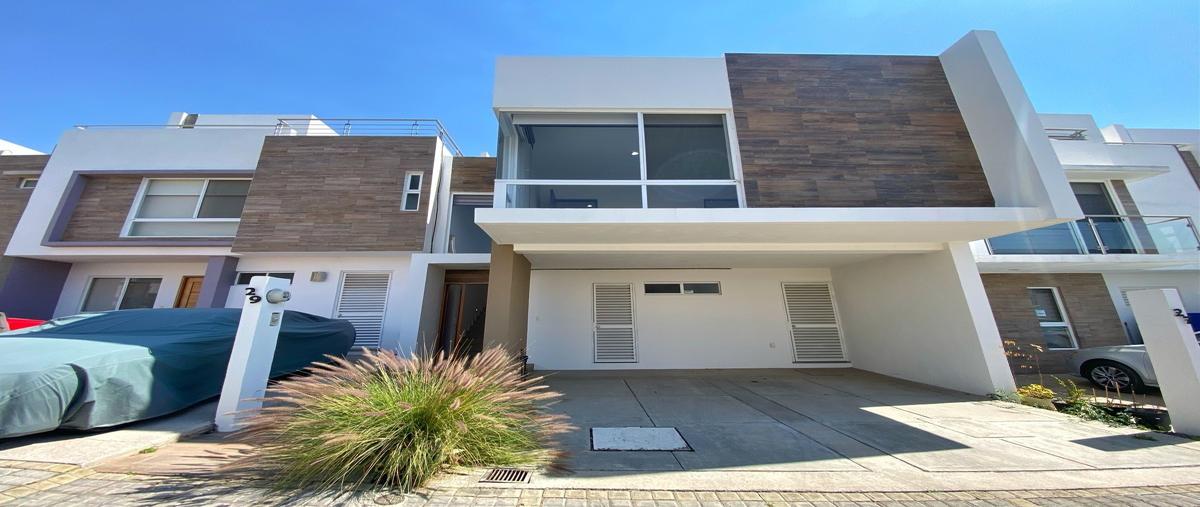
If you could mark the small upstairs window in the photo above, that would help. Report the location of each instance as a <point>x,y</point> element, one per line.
<point>682,288</point>
<point>184,207</point>
<point>412,192</point>
<point>27,183</point>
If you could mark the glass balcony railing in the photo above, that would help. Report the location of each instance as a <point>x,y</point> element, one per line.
<point>1104,234</point>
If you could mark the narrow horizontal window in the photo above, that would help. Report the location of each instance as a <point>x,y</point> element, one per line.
<point>244,278</point>
<point>27,183</point>
<point>663,288</point>
<point>701,288</point>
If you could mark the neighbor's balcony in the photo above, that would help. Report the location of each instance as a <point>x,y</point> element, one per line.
<point>1104,235</point>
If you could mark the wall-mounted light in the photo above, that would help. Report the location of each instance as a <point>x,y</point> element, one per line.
<point>318,276</point>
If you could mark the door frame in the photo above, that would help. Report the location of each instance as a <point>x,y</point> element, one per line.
<point>442,313</point>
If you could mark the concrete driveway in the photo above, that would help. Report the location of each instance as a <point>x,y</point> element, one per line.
<point>844,429</point>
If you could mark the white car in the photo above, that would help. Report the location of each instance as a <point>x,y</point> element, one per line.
<point>1124,368</point>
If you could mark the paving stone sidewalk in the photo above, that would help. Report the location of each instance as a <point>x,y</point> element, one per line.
<point>38,484</point>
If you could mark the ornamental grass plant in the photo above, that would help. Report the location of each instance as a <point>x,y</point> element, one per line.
<point>395,422</point>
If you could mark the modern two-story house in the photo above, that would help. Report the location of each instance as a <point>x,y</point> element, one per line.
<point>743,211</point>
<point>1064,287</point>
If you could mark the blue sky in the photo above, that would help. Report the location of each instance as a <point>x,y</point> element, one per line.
<point>66,63</point>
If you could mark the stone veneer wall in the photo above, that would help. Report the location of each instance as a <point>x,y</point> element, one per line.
<point>336,194</point>
<point>13,198</point>
<point>1088,305</point>
<point>852,131</point>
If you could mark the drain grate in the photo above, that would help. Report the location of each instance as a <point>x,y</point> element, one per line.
<point>506,475</point>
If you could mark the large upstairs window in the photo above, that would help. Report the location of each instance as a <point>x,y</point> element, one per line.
<point>188,207</point>
<point>630,160</point>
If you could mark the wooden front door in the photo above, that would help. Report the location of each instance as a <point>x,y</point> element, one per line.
<point>189,292</point>
<point>464,309</point>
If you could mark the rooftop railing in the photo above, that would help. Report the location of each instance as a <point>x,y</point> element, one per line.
<point>1067,134</point>
<point>407,127</point>
<point>1105,235</point>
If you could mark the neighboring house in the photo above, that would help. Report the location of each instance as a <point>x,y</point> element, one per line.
<point>746,211</point>
<point>1063,287</point>
<point>20,168</point>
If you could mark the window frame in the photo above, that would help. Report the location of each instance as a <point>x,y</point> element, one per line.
<point>1064,323</point>
<point>682,290</point>
<point>139,199</point>
<point>23,182</point>
<point>237,278</point>
<point>408,177</point>
<point>509,152</point>
<point>91,280</point>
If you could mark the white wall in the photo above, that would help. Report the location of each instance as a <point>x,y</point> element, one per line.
<point>923,317</point>
<point>172,273</point>
<point>123,150</point>
<point>743,327</point>
<point>583,83</point>
<point>1020,165</point>
<point>320,298</point>
<point>1187,282</point>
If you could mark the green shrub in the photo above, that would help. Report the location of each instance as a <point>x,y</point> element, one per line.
<point>396,422</point>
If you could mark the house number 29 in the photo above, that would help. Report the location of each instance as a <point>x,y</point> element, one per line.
<point>254,297</point>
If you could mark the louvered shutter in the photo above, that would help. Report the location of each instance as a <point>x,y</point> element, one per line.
<point>363,301</point>
<point>612,307</point>
<point>816,336</point>
<point>473,200</point>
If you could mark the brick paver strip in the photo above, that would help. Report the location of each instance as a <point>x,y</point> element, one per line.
<point>55,485</point>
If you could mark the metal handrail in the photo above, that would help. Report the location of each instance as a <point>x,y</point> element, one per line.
<point>1067,134</point>
<point>332,127</point>
<point>1098,238</point>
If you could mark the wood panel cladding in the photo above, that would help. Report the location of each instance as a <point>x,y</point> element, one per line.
<point>336,194</point>
<point>852,131</point>
<point>473,174</point>
<point>103,206</point>
<point>13,198</point>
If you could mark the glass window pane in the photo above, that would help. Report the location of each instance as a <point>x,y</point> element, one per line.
<point>1093,198</point>
<point>412,201</point>
<point>174,187</point>
<point>102,295</point>
<point>686,147</point>
<point>692,196</point>
<point>574,196</point>
<point>167,206</point>
<point>140,293</point>
<point>702,288</point>
<point>184,229</point>
<point>662,288</point>
<point>465,235</point>
<point>1057,337</point>
<point>228,187</point>
<point>1044,306</point>
<point>414,182</point>
<point>578,152</point>
<point>215,206</point>
<point>1055,239</point>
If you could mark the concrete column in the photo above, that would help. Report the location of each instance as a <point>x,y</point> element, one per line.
<point>220,274</point>
<point>923,317</point>
<point>1174,353</point>
<point>253,350</point>
<point>33,288</point>
<point>507,301</point>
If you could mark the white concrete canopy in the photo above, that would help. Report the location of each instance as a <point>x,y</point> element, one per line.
<point>749,228</point>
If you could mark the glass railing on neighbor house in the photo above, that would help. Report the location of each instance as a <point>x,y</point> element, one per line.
<point>1104,234</point>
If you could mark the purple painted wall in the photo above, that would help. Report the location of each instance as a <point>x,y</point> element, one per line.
<point>33,288</point>
<point>218,276</point>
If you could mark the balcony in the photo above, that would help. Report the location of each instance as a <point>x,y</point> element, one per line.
<point>1105,235</point>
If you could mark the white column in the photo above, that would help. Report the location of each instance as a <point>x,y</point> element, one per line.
<point>253,350</point>
<point>1174,353</point>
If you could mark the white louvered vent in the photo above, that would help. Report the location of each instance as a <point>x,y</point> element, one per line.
<point>473,200</point>
<point>363,301</point>
<point>612,309</point>
<point>816,336</point>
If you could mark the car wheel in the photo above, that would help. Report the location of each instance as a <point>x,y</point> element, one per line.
<point>1114,376</point>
